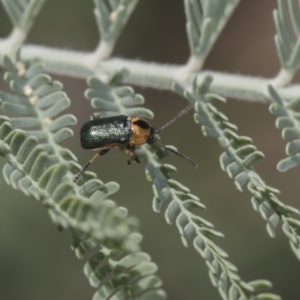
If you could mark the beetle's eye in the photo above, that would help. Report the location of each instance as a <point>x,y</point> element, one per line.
<point>141,123</point>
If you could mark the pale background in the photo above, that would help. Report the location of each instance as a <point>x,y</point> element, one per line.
<point>35,259</point>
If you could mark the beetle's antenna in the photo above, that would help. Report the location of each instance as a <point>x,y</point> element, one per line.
<point>78,175</point>
<point>177,153</point>
<point>176,117</point>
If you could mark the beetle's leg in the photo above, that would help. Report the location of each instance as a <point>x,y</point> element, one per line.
<point>101,153</point>
<point>136,158</point>
<point>130,154</point>
<point>134,155</point>
<point>93,117</point>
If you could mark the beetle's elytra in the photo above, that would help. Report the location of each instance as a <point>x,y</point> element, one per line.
<point>102,134</point>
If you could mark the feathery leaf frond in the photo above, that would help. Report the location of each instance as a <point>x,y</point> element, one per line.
<point>287,39</point>
<point>112,100</point>
<point>238,160</point>
<point>22,12</point>
<point>192,228</point>
<point>118,274</point>
<point>39,166</point>
<point>111,16</point>
<point>289,121</point>
<point>205,20</point>
<point>197,230</point>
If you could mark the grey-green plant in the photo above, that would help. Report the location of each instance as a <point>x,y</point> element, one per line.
<point>33,127</point>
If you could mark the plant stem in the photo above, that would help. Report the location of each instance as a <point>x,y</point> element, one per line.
<point>154,75</point>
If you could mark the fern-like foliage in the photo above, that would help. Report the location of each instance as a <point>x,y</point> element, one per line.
<point>287,40</point>
<point>205,20</point>
<point>112,99</point>
<point>120,274</point>
<point>238,160</point>
<point>39,166</point>
<point>111,17</point>
<point>288,121</point>
<point>126,275</point>
<point>22,12</point>
<point>198,231</point>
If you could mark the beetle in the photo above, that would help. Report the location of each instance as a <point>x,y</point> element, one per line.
<point>105,133</point>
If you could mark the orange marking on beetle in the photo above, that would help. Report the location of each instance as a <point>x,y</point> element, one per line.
<point>140,134</point>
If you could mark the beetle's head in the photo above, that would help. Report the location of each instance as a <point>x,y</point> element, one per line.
<point>152,136</point>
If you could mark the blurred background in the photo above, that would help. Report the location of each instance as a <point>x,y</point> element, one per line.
<point>35,259</point>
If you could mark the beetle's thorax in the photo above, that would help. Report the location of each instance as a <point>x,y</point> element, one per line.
<point>140,131</point>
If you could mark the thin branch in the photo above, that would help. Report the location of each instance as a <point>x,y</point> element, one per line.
<point>154,75</point>
<point>12,42</point>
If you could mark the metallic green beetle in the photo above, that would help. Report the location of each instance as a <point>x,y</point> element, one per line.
<point>102,134</point>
